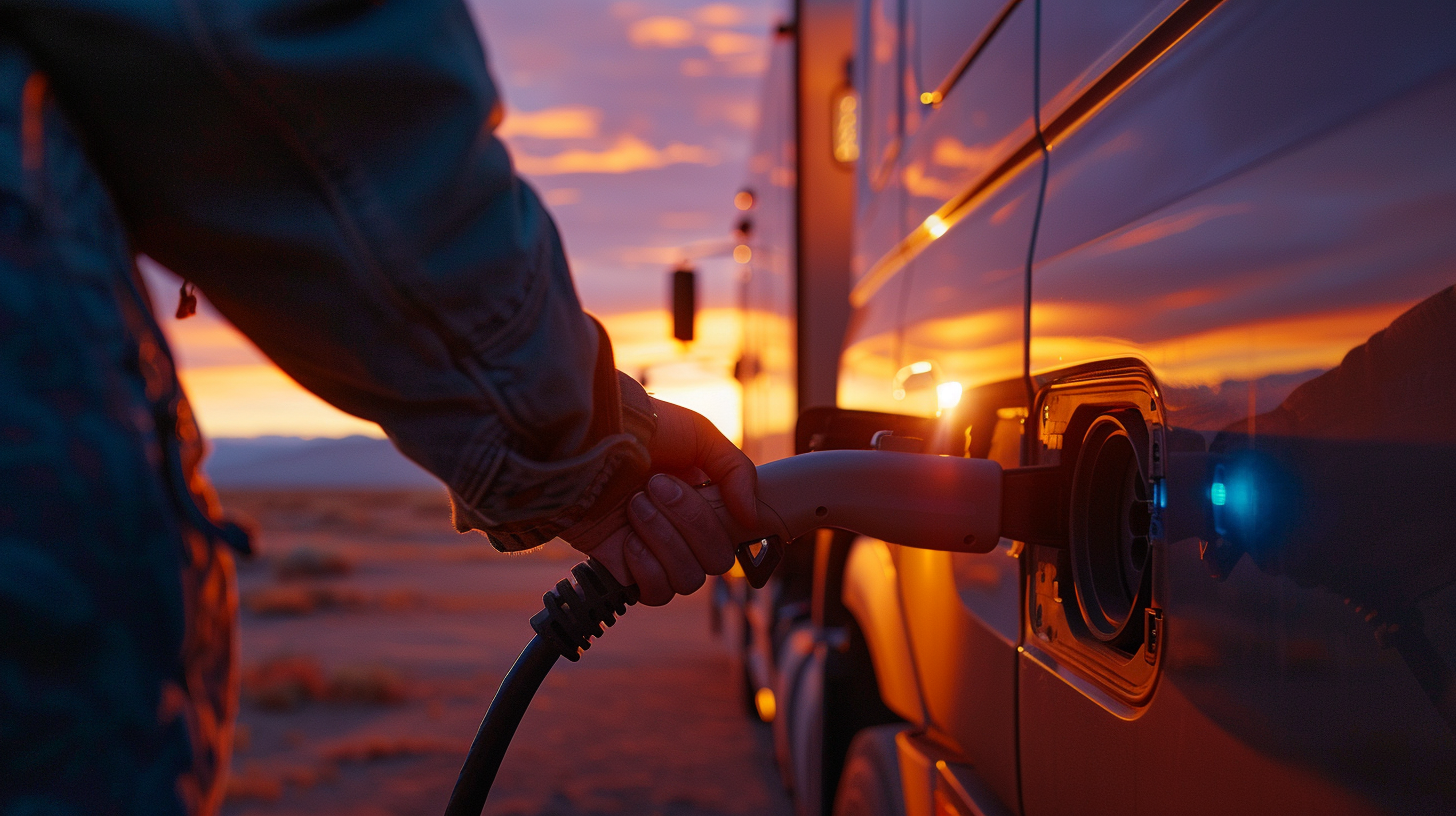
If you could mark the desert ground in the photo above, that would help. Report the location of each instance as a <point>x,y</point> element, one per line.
<point>373,637</point>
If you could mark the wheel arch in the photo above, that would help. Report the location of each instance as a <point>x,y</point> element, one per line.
<point>871,593</point>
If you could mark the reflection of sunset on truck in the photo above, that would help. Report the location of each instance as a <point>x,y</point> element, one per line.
<point>1190,259</point>
<point>1054,402</point>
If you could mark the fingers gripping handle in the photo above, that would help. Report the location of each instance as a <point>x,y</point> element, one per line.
<point>760,550</point>
<point>923,501</point>
<point>932,502</point>
<point>929,502</point>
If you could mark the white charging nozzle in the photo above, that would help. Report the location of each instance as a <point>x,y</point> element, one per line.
<point>915,499</point>
<point>935,502</point>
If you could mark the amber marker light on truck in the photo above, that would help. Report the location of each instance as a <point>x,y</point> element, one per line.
<point>742,253</point>
<point>767,706</point>
<point>743,200</point>
<point>845,127</point>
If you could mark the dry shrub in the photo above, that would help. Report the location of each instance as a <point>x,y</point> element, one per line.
<point>369,749</point>
<point>399,600</point>
<point>284,683</point>
<point>294,601</point>
<point>309,562</point>
<point>288,682</point>
<point>253,784</point>
<point>366,685</point>
<point>284,601</point>
<point>306,776</point>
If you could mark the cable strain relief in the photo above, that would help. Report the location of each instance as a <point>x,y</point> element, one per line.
<point>578,610</point>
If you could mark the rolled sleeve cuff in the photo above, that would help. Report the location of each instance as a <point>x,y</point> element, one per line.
<point>521,504</point>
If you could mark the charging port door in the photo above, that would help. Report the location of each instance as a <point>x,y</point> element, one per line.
<point>1092,606</point>
<point>1092,624</point>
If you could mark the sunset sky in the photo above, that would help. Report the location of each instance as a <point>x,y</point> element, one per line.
<point>633,120</point>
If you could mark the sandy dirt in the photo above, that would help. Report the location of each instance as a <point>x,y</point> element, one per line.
<point>373,638</point>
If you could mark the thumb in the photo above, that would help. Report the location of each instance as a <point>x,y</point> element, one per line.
<point>731,470</point>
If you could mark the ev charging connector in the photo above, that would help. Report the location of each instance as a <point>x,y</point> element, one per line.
<point>918,500</point>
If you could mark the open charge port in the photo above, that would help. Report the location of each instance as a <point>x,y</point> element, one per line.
<point>1111,515</point>
<point>1094,594</point>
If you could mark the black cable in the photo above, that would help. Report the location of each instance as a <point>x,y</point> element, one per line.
<point>499,725</point>
<point>573,614</point>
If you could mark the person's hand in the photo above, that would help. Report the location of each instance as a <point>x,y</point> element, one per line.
<point>668,538</point>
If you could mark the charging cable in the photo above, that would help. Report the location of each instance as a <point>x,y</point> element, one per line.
<point>574,613</point>
<point>930,502</point>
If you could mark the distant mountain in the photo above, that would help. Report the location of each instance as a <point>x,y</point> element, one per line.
<point>287,461</point>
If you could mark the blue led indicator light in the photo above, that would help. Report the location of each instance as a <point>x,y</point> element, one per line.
<point>1219,494</point>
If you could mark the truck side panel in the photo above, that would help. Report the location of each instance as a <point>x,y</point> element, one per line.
<point>1268,195</point>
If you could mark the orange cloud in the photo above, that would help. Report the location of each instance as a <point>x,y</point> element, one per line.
<point>732,43</point>
<point>661,32</point>
<point>720,14</point>
<point>628,154</point>
<point>741,113</point>
<point>565,122</point>
<point>746,64</point>
<point>733,53</point>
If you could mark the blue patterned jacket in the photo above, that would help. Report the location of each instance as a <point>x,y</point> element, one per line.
<point>326,172</point>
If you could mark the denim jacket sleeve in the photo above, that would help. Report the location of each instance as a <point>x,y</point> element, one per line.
<point>326,171</point>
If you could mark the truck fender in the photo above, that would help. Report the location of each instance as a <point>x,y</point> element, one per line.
<point>871,592</point>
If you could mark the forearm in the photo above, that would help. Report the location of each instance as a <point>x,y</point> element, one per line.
<point>331,181</point>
